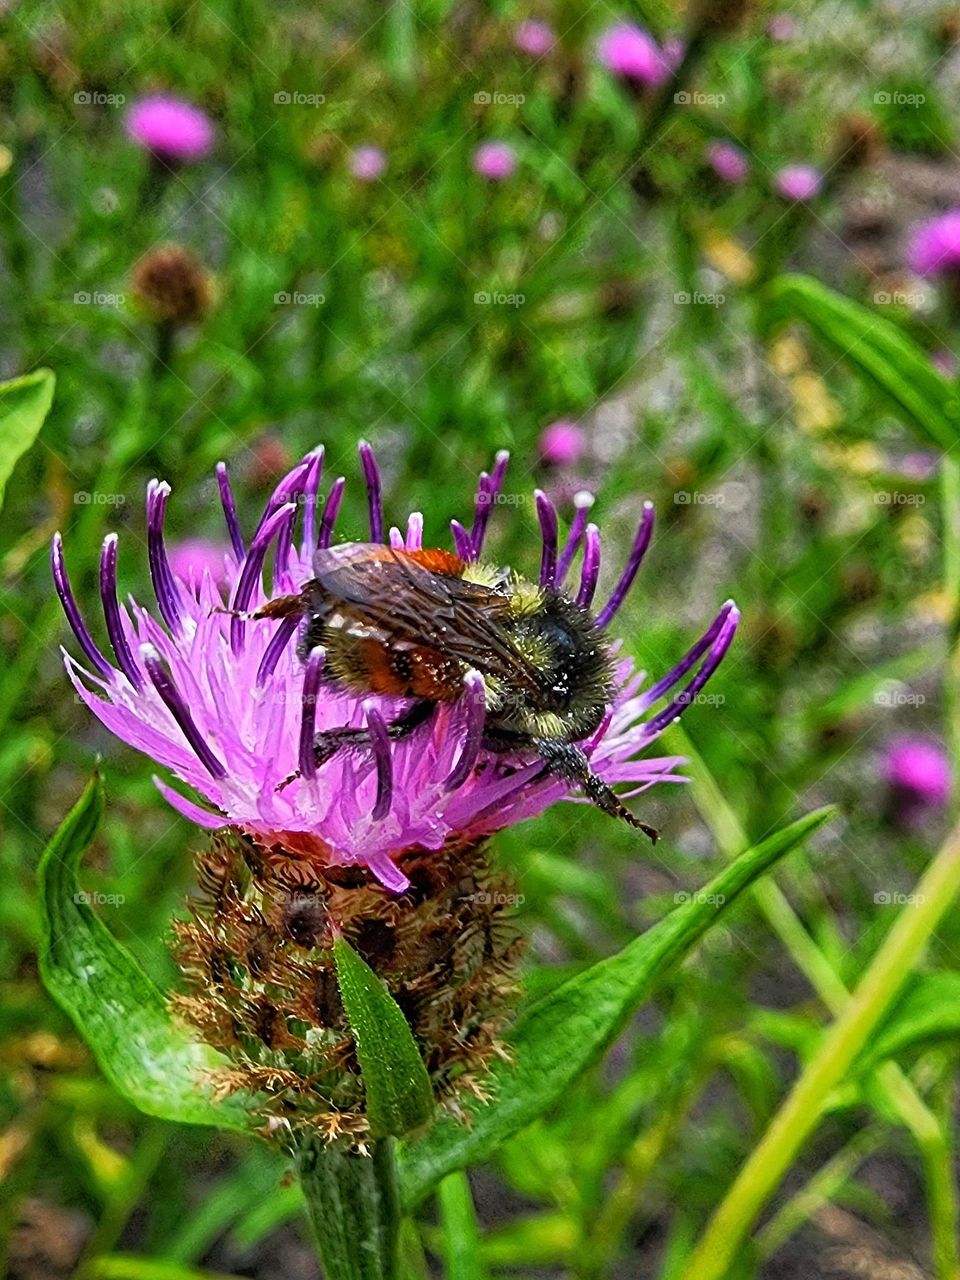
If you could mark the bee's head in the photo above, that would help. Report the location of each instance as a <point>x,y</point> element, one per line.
<point>562,643</point>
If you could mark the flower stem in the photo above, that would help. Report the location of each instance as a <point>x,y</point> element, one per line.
<point>801,1112</point>
<point>354,1209</point>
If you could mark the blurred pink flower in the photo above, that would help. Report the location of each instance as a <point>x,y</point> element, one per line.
<point>672,52</point>
<point>922,464</point>
<point>728,162</point>
<point>368,163</point>
<point>945,362</point>
<point>194,557</point>
<point>629,51</point>
<point>170,128</point>
<point>935,245</point>
<point>798,182</point>
<point>562,443</point>
<point>918,774</point>
<point>782,27</point>
<point>534,38</point>
<point>494,160</point>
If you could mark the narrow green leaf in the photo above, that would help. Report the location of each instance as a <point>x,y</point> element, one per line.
<point>120,1013</point>
<point>877,349</point>
<point>24,404</point>
<point>398,1092</point>
<point>461,1237</point>
<point>130,1266</point>
<point>539,1240</point>
<point>928,1010</point>
<point>557,1038</point>
<point>272,1212</point>
<point>248,1190</point>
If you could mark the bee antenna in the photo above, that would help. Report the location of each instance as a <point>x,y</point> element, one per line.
<point>568,761</point>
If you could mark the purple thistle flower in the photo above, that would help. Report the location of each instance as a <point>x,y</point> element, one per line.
<point>230,708</point>
<point>496,161</point>
<point>170,128</point>
<point>918,774</point>
<point>798,182</point>
<point>632,53</point>
<point>728,162</point>
<point>368,163</point>
<point>935,245</point>
<point>534,38</point>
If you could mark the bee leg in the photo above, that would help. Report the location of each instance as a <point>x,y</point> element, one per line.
<point>345,738</point>
<point>329,741</point>
<point>281,607</point>
<point>567,761</point>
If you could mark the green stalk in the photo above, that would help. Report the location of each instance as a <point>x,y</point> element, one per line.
<point>826,1183</point>
<point>604,1235</point>
<point>461,1235</point>
<point>800,1113</point>
<point>933,1140</point>
<point>354,1209</point>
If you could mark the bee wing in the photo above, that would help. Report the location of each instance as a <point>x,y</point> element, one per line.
<point>388,589</point>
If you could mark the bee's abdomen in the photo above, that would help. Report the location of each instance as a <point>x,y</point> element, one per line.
<point>368,664</point>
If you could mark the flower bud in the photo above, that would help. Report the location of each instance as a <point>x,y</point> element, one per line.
<point>262,987</point>
<point>172,285</point>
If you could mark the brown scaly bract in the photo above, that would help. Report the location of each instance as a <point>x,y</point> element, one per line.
<point>261,983</point>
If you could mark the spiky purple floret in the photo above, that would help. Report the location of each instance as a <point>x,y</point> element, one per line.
<point>227,705</point>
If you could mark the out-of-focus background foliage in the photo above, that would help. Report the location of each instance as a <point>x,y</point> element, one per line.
<point>614,281</point>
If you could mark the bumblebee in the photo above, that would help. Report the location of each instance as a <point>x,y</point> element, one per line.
<point>412,624</point>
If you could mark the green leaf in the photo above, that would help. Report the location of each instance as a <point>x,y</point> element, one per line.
<point>877,349</point>
<point>928,1010</point>
<point>398,1092</point>
<point>461,1237</point>
<point>130,1266</point>
<point>120,1013</point>
<point>558,1038</point>
<point>540,1240</point>
<point>24,404</point>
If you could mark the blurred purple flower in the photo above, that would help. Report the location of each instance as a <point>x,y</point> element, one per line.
<point>231,709</point>
<point>798,182</point>
<point>194,557</point>
<point>728,162</point>
<point>918,774</point>
<point>534,38</point>
<point>934,248</point>
<point>496,161</point>
<point>629,51</point>
<point>562,443</point>
<point>170,128</point>
<point>368,163</point>
<point>923,464</point>
<point>672,52</point>
<point>782,27</point>
<point>945,362</point>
